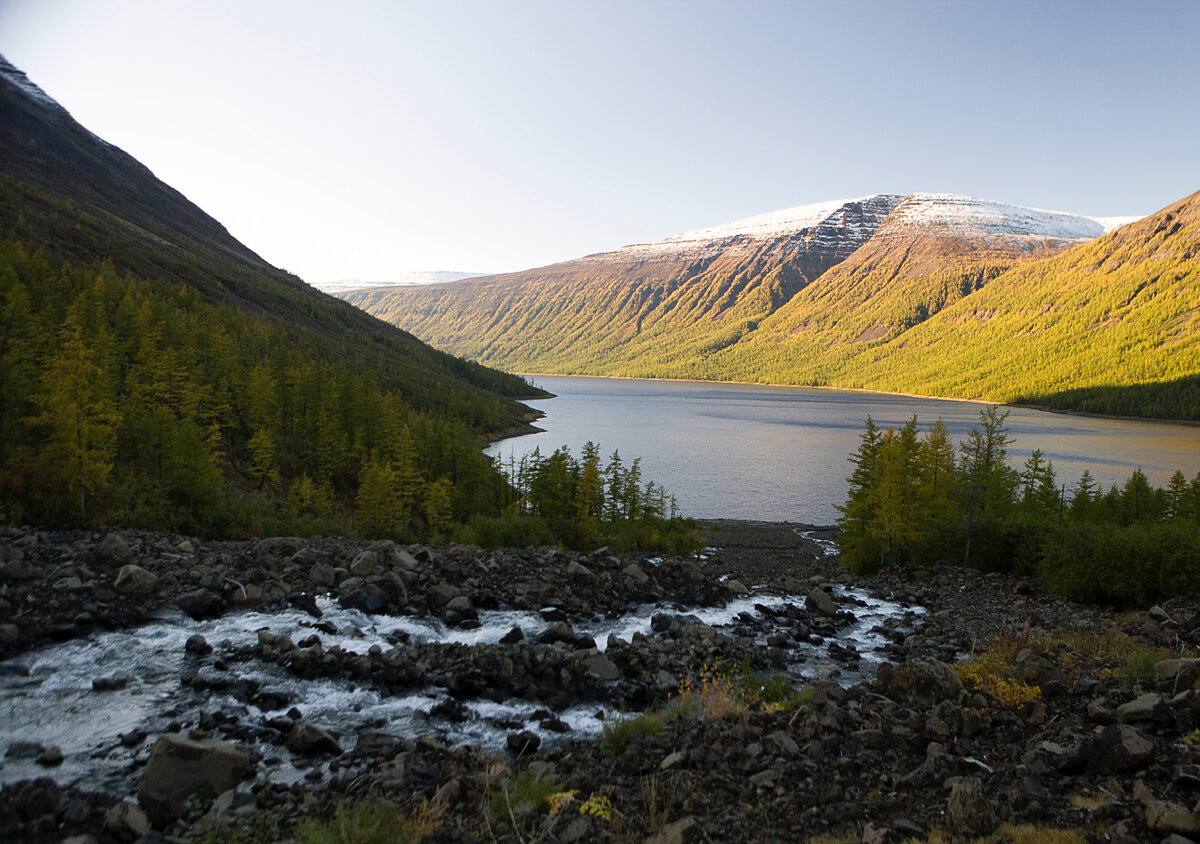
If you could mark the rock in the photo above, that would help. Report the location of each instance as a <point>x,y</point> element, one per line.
<point>673,760</point>
<point>820,602</point>
<point>525,741</point>
<point>968,811</point>
<point>513,636</point>
<point>126,822</point>
<point>198,645</point>
<point>51,757</point>
<point>364,563</point>
<point>736,587</point>
<point>1181,672</point>
<point>112,551</point>
<point>685,831</point>
<point>559,631</point>
<point>322,576</point>
<point>201,604</point>
<point>634,572</point>
<point>1119,747</point>
<point>10,634</point>
<point>374,744</point>
<point>602,668</point>
<point>1164,816</point>
<point>1036,670</point>
<point>1145,707</point>
<point>113,682</point>
<point>441,594</point>
<point>579,572</point>
<point>15,571</point>
<point>24,750</point>
<point>307,739</point>
<point>135,581</point>
<point>368,599</point>
<point>461,605</point>
<point>278,547</point>
<point>918,682</point>
<point>180,768</point>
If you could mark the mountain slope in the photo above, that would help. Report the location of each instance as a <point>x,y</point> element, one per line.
<point>156,372</point>
<point>640,307</point>
<point>1071,330</point>
<point>794,287</point>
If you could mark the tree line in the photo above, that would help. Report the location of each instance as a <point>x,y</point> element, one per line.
<point>914,499</point>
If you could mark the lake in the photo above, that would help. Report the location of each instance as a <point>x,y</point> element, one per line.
<point>741,451</point>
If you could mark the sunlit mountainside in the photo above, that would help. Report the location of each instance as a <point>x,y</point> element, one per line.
<point>927,293</point>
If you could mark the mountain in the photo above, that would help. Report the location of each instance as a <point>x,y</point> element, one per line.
<point>344,286</point>
<point>155,371</point>
<point>792,296</point>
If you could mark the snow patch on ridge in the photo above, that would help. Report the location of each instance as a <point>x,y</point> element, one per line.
<point>969,216</point>
<point>769,225</point>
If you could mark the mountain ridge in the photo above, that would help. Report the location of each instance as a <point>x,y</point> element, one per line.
<point>735,302</point>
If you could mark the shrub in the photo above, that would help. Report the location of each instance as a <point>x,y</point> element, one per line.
<point>617,733</point>
<point>370,822</point>
<point>526,790</point>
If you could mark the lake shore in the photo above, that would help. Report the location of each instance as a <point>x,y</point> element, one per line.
<point>883,756</point>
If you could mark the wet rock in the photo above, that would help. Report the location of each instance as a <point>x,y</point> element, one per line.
<point>451,710</point>
<point>201,604</point>
<point>180,767</point>
<point>820,602</point>
<point>112,551</point>
<point>113,682</point>
<point>135,581</point>
<point>918,682</point>
<point>513,636</point>
<point>368,599</point>
<point>1119,747</point>
<point>126,821</point>
<point>461,606</point>
<point>523,742</point>
<point>198,645</point>
<point>24,750</point>
<point>736,587</point>
<point>967,810</point>
<point>307,739</point>
<point>51,757</point>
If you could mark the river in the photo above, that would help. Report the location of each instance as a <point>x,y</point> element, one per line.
<point>743,451</point>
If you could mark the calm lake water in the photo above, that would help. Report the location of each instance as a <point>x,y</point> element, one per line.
<point>780,453</point>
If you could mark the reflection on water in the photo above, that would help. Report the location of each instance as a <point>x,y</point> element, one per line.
<point>779,453</point>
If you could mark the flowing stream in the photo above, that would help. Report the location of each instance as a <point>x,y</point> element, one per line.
<point>47,696</point>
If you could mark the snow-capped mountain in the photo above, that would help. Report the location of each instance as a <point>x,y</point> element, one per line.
<point>864,266</point>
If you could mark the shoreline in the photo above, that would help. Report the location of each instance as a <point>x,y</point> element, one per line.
<point>863,390</point>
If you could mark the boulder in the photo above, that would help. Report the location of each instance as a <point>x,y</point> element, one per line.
<point>634,573</point>
<point>1144,707</point>
<point>364,563</point>
<point>1166,817</point>
<point>579,572</point>
<point>180,768</point>
<point>1181,672</point>
<point>441,594</point>
<point>967,810</point>
<point>736,587</point>
<point>126,822</point>
<point>525,741</point>
<point>51,757</point>
<point>135,581</point>
<point>307,739</point>
<point>918,682</point>
<point>820,602</point>
<point>368,599</point>
<point>602,668</point>
<point>1119,747</point>
<point>197,645</point>
<point>201,604</point>
<point>685,831</point>
<point>112,551</point>
<point>322,576</point>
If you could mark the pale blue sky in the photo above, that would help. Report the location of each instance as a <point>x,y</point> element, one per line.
<point>362,139</point>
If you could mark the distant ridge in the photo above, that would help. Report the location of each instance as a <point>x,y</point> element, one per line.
<point>831,293</point>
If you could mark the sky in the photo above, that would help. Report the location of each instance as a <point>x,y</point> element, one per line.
<point>361,140</point>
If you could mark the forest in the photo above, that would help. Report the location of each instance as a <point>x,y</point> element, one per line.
<point>139,402</point>
<point>914,499</point>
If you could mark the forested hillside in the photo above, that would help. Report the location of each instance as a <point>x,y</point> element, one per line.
<point>155,372</point>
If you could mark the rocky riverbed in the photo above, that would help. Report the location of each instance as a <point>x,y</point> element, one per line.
<point>145,676</point>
